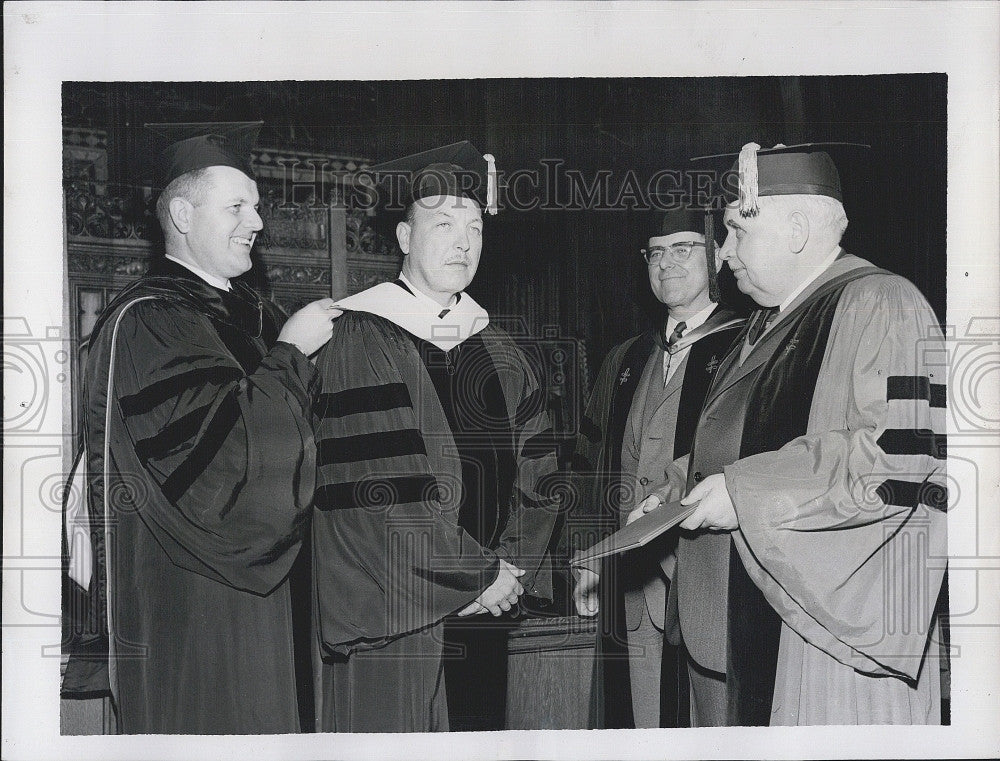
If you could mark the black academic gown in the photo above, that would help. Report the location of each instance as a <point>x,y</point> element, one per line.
<point>396,539</point>
<point>210,476</point>
<point>468,387</point>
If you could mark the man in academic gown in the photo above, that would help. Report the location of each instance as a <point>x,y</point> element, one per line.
<point>639,425</point>
<point>433,446</point>
<point>807,581</point>
<point>201,461</point>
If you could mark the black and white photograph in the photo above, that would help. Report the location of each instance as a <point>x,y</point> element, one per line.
<point>501,380</point>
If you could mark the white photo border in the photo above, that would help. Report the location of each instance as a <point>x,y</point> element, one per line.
<point>48,43</point>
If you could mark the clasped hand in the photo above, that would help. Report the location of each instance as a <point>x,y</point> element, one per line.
<point>500,595</point>
<point>585,591</point>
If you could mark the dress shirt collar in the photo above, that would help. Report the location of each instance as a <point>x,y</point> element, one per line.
<point>213,280</point>
<point>424,297</point>
<point>692,322</point>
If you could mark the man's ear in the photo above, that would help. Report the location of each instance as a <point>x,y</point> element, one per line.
<point>798,231</point>
<point>403,236</point>
<point>180,214</point>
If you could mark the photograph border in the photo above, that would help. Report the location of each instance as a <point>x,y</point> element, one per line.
<point>49,43</point>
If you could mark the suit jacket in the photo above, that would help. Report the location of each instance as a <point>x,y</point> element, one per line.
<point>647,453</point>
<point>599,484</point>
<point>699,594</point>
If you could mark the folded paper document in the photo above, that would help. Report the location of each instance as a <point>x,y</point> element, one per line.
<point>638,532</point>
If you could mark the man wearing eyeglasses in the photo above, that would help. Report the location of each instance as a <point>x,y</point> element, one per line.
<point>809,574</point>
<point>645,403</point>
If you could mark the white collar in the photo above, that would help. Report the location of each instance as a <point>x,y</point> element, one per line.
<point>421,316</point>
<point>820,269</point>
<point>455,297</point>
<point>214,280</point>
<point>692,322</point>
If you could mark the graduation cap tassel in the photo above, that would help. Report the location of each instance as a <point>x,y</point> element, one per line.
<point>747,168</point>
<point>713,279</point>
<point>491,183</point>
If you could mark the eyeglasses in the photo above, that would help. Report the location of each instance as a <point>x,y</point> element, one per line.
<point>679,252</point>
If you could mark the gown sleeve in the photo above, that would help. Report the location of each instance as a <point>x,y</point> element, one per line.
<point>843,529</point>
<point>535,502</point>
<point>588,496</point>
<point>222,459</point>
<point>389,556</point>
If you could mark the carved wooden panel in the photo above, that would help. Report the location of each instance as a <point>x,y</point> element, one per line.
<point>85,155</point>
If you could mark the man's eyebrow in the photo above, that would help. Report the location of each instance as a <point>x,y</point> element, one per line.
<point>449,215</point>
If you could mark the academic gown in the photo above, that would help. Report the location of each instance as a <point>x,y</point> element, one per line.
<point>839,488</point>
<point>475,653</point>
<point>401,535</point>
<point>210,477</point>
<point>599,483</point>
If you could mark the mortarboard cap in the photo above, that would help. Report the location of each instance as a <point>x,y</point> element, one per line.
<point>182,148</point>
<point>691,219</point>
<point>678,221</point>
<point>805,169</point>
<point>452,170</point>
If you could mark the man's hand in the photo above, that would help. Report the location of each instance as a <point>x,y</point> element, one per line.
<point>715,511</point>
<point>500,595</point>
<point>651,502</point>
<point>311,327</point>
<point>585,591</point>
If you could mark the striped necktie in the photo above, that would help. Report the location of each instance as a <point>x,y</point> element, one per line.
<point>672,340</point>
<point>676,336</point>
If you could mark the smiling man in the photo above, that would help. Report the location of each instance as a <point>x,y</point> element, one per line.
<point>433,440</point>
<point>645,403</point>
<point>201,461</point>
<point>809,571</point>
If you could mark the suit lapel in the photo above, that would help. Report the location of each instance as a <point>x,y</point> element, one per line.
<point>677,379</point>
<point>759,354</point>
<point>674,385</point>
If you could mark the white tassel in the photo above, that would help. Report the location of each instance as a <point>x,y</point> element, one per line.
<point>491,183</point>
<point>747,168</point>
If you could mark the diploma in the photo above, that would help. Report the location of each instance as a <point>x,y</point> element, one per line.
<point>639,532</point>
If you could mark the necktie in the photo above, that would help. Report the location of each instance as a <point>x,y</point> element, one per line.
<point>676,336</point>
<point>764,318</point>
<point>444,312</point>
<point>672,340</point>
